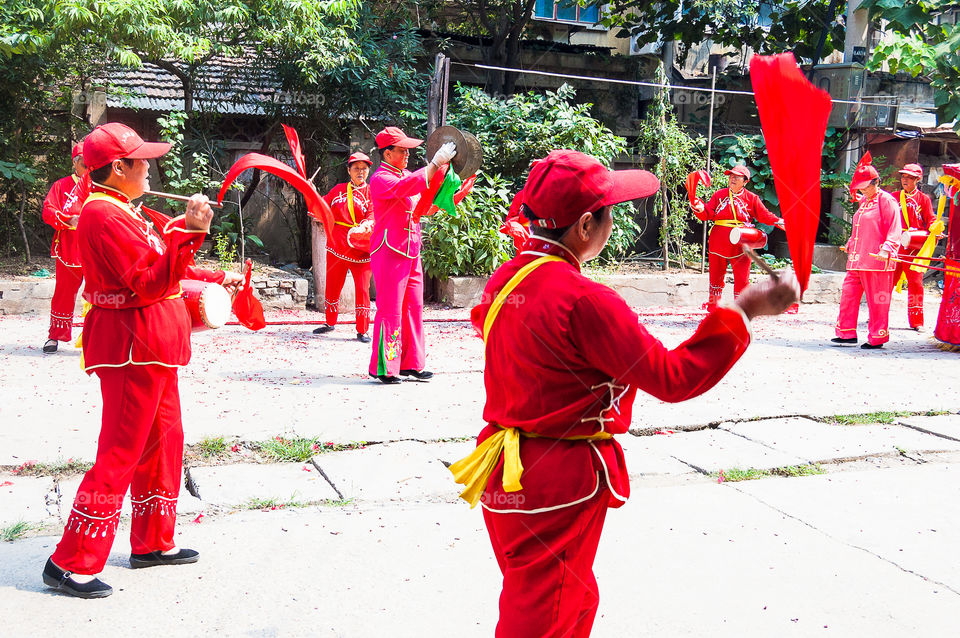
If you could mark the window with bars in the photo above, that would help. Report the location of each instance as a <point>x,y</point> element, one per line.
<point>566,11</point>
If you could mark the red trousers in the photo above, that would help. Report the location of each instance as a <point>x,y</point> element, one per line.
<point>64,300</point>
<point>336,276</point>
<point>877,285</point>
<point>140,448</point>
<point>718,271</point>
<point>914,292</point>
<point>549,590</point>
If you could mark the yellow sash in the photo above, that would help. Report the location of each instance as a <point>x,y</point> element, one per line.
<point>474,470</point>
<point>729,223</point>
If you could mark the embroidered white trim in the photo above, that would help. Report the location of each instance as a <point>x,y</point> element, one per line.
<point>614,403</point>
<point>540,510</point>
<point>606,474</point>
<point>555,243</point>
<point>150,498</point>
<point>96,518</point>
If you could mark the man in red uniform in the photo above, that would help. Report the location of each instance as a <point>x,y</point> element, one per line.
<point>916,213</point>
<point>730,208</point>
<point>60,210</point>
<point>565,357</point>
<point>351,206</point>
<point>135,337</point>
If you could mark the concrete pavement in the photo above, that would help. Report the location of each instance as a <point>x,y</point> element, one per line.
<point>373,541</point>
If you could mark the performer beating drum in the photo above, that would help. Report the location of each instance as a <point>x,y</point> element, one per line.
<point>729,208</point>
<point>135,336</point>
<point>917,218</point>
<point>352,216</point>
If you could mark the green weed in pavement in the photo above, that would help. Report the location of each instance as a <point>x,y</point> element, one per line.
<point>14,531</point>
<point>212,446</point>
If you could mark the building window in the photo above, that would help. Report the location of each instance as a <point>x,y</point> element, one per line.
<point>566,11</point>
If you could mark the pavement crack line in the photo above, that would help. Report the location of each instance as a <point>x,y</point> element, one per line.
<point>313,461</point>
<point>843,542</point>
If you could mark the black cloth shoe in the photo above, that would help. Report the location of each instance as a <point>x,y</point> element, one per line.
<point>870,346</point>
<point>420,375</point>
<point>60,580</point>
<point>362,338</point>
<point>850,341</point>
<point>184,556</point>
<point>388,380</point>
<point>323,329</point>
<point>50,346</point>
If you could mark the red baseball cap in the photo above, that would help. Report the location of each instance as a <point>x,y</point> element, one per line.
<point>913,170</point>
<point>740,170</point>
<point>863,176</point>
<point>359,157</point>
<point>77,150</point>
<point>566,184</point>
<point>392,136</point>
<point>115,141</point>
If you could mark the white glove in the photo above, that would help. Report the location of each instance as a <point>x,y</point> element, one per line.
<point>444,154</point>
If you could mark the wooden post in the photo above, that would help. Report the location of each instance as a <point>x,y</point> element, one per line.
<point>713,89</point>
<point>318,251</point>
<point>437,95</point>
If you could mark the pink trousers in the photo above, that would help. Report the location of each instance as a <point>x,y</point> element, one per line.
<point>398,342</point>
<point>877,284</point>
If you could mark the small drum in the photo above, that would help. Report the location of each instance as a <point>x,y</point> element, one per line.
<point>208,303</point>
<point>748,236</point>
<point>913,239</point>
<point>358,237</point>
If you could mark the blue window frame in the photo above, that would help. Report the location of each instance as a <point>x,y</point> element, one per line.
<point>566,11</point>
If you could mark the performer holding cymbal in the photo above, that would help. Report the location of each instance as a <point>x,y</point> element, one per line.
<point>135,337</point>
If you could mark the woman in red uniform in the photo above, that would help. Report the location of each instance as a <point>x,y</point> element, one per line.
<point>916,213</point>
<point>729,208</point>
<point>135,337</point>
<point>351,206</point>
<point>565,357</point>
<point>60,210</point>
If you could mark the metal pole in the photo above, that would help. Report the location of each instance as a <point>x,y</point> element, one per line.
<point>713,95</point>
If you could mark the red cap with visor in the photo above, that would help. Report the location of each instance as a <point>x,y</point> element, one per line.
<point>114,141</point>
<point>392,136</point>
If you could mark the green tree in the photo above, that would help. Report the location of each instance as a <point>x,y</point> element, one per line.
<point>921,43</point>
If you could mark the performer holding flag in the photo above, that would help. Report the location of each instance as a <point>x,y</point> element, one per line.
<point>398,344</point>
<point>729,208</point>
<point>135,337</point>
<point>561,372</point>
<point>61,211</point>
<point>916,213</point>
<point>352,208</point>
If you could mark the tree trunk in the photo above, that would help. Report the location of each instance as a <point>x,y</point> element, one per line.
<point>23,229</point>
<point>319,254</point>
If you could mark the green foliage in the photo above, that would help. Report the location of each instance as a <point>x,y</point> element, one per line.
<point>15,530</point>
<point>918,42</point>
<point>790,25</point>
<point>736,474</point>
<point>211,446</point>
<point>623,236</point>
<point>469,243</point>
<point>677,154</point>
<point>281,448</point>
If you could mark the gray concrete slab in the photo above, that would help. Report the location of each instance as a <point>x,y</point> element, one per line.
<point>645,457</point>
<point>713,450</point>
<point>24,498</point>
<point>237,485</point>
<point>406,470</point>
<point>815,441</point>
<point>946,425</point>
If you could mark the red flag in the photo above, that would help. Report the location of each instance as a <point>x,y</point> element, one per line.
<point>793,117</point>
<point>692,180</point>
<point>248,309</point>
<point>294,141</point>
<point>317,208</point>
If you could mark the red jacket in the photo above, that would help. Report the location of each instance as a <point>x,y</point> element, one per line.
<point>565,357</point>
<point>748,208</point>
<point>343,221</point>
<point>59,206</point>
<point>132,278</point>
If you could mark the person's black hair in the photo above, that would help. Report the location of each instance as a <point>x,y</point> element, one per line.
<point>555,234</point>
<point>101,174</point>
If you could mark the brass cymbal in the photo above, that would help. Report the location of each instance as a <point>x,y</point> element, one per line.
<point>469,153</point>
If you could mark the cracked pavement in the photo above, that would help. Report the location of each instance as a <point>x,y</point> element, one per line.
<point>373,541</point>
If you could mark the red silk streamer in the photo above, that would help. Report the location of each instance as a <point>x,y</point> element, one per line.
<point>248,309</point>
<point>294,141</point>
<point>793,117</point>
<point>317,208</point>
<point>693,179</point>
<point>866,160</point>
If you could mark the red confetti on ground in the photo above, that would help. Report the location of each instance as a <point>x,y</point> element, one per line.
<point>6,483</point>
<point>198,518</point>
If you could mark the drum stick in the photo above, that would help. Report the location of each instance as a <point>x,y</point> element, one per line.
<point>764,266</point>
<point>948,269</point>
<point>179,198</point>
